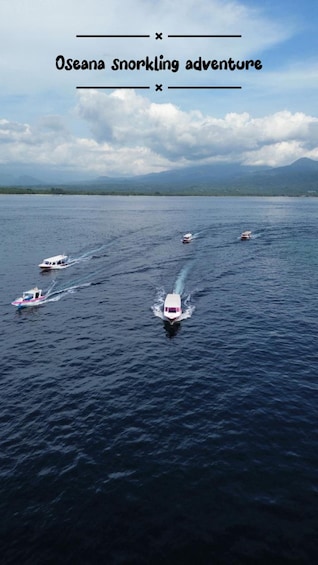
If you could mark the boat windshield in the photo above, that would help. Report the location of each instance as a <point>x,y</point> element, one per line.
<point>27,296</point>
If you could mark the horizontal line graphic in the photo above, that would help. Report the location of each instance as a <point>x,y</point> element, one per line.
<point>204,87</point>
<point>112,35</point>
<point>113,87</point>
<point>204,35</point>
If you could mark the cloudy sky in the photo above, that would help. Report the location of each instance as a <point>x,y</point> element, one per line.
<point>46,122</point>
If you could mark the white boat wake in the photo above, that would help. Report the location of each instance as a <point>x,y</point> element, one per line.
<point>94,253</point>
<point>180,282</point>
<point>157,307</point>
<point>85,256</point>
<point>58,293</point>
<point>189,308</point>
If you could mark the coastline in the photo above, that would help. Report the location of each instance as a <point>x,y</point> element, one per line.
<point>197,192</point>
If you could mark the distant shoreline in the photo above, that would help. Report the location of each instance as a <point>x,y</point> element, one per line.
<point>56,191</point>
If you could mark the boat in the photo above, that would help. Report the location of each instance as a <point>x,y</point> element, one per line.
<point>246,235</point>
<point>31,297</point>
<point>172,307</point>
<point>187,238</point>
<point>57,262</point>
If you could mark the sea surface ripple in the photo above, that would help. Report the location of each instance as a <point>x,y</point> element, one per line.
<point>128,441</point>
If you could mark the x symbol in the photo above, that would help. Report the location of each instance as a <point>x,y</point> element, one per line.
<point>159,35</point>
<point>159,87</point>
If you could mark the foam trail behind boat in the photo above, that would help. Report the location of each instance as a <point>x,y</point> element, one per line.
<point>92,252</point>
<point>75,283</point>
<point>89,254</point>
<point>196,235</point>
<point>58,293</point>
<point>157,307</point>
<point>188,310</point>
<point>50,289</point>
<point>180,282</point>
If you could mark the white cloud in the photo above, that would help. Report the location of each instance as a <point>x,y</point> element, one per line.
<point>125,118</point>
<point>132,135</point>
<point>276,154</point>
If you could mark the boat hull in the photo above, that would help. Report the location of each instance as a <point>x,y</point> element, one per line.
<point>55,268</point>
<point>20,303</point>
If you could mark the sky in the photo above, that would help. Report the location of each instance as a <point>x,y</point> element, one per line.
<point>49,126</point>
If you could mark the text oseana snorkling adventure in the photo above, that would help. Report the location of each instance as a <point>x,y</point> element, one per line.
<point>157,63</point>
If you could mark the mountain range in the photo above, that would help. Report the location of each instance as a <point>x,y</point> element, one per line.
<point>298,178</point>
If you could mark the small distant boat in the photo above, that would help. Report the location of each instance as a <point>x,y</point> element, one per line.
<point>246,235</point>
<point>31,297</point>
<point>172,307</point>
<point>187,238</point>
<point>57,262</point>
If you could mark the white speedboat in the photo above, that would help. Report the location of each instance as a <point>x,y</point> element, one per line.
<point>246,235</point>
<point>57,262</point>
<point>172,307</point>
<point>187,238</point>
<point>31,297</point>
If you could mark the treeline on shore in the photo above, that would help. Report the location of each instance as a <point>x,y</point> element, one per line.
<point>201,190</point>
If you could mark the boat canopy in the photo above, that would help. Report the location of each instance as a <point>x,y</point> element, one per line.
<point>32,293</point>
<point>173,303</point>
<point>55,259</point>
<point>54,262</point>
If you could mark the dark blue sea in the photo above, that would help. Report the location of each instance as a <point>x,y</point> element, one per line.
<point>124,441</point>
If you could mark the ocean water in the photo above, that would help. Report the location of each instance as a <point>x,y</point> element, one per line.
<point>127,441</point>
